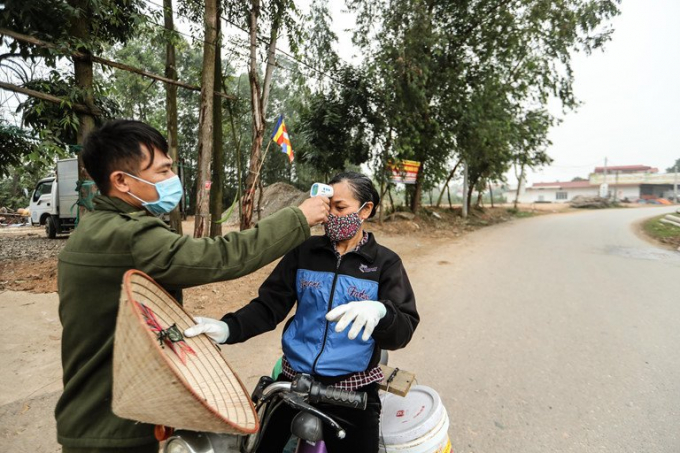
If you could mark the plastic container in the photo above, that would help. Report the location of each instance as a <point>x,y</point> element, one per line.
<point>416,423</point>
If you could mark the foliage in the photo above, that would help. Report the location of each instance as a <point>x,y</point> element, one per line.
<point>17,184</point>
<point>16,145</point>
<point>21,165</point>
<point>112,21</point>
<point>68,25</point>
<point>139,97</point>
<point>673,168</point>
<point>56,125</point>
<point>336,125</point>
<point>440,81</point>
<point>472,79</point>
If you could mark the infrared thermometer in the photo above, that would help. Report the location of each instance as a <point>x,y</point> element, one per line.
<point>321,189</point>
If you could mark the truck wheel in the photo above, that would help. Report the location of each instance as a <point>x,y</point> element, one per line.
<point>51,227</point>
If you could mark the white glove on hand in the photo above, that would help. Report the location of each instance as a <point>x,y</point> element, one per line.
<point>364,314</point>
<point>216,330</point>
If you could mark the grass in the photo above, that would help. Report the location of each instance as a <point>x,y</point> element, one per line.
<point>667,234</point>
<point>520,214</point>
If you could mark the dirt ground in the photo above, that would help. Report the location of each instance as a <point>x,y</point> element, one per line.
<point>28,258</point>
<point>30,378</point>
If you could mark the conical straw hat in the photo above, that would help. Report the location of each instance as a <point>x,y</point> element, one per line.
<point>186,383</point>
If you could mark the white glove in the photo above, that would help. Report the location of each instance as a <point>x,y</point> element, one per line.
<point>216,330</point>
<point>364,314</point>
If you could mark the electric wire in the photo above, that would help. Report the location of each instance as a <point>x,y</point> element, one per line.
<point>247,45</point>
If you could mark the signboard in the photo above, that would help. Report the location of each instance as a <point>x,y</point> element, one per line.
<point>404,171</point>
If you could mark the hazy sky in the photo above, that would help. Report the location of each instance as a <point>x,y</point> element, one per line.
<point>630,94</point>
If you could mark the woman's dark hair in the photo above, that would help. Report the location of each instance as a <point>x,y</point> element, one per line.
<point>116,146</point>
<point>362,188</point>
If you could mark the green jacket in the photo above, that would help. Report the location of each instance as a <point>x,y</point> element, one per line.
<point>112,239</point>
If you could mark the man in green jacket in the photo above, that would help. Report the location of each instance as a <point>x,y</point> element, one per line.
<point>129,163</point>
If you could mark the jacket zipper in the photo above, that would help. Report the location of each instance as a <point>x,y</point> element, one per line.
<point>330,304</point>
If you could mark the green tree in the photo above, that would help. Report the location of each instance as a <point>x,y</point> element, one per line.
<point>16,145</point>
<point>336,124</point>
<point>56,126</point>
<point>436,62</point>
<point>16,187</point>
<point>83,26</point>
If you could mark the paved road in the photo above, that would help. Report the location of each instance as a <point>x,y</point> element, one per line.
<point>553,334</point>
<point>559,333</point>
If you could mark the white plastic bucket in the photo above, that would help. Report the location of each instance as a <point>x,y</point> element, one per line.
<point>416,423</point>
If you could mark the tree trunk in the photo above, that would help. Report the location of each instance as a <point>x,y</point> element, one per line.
<point>468,200</point>
<point>15,188</point>
<point>171,104</point>
<point>205,138</point>
<point>418,192</point>
<point>446,184</point>
<point>237,146</point>
<point>384,179</point>
<point>491,194</point>
<point>258,126</point>
<point>259,96</point>
<point>519,186</point>
<point>84,79</point>
<point>217,188</point>
<point>389,194</point>
<point>260,187</point>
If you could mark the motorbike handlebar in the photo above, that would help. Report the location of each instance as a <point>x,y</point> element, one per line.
<point>324,394</point>
<point>315,392</point>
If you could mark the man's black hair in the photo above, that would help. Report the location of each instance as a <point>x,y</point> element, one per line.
<point>362,188</point>
<point>117,146</point>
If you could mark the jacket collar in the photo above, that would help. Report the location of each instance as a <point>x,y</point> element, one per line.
<point>368,251</point>
<point>115,204</point>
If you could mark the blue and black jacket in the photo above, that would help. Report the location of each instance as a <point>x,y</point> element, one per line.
<point>314,277</point>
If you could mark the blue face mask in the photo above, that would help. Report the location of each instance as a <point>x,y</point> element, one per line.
<point>169,194</point>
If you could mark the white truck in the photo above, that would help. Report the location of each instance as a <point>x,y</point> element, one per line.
<point>54,200</point>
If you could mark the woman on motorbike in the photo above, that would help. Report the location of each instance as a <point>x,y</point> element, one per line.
<point>344,277</point>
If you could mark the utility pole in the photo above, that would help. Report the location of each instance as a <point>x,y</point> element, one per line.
<point>675,184</point>
<point>604,187</point>
<point>465,189</point>
<point>616,185</point>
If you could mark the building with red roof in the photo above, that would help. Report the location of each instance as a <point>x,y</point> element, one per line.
<point>623,183</point>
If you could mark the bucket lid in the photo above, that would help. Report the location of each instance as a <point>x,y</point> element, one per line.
<point>408,418</point>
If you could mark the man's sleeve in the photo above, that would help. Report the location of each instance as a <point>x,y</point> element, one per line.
<point>177,261</point>
<point>395,330</point>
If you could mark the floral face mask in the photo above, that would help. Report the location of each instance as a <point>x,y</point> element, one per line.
<point>343,228</point>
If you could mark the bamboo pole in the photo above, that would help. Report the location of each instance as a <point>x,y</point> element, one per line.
<point>105,62</point>
<point>47,97</point>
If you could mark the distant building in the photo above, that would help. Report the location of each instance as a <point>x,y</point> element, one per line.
<point>626,183</point>
<point>626,169</point>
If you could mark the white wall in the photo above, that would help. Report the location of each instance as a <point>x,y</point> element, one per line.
<point>630,192</point>
<point>550,195</point>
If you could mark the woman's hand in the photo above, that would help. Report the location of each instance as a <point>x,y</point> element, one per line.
<point>216,330</point>
<point>364,314</point>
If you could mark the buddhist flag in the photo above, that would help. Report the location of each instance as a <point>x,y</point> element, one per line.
<point>280,136</point>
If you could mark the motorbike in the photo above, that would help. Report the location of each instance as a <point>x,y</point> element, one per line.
<point>307,426</point>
